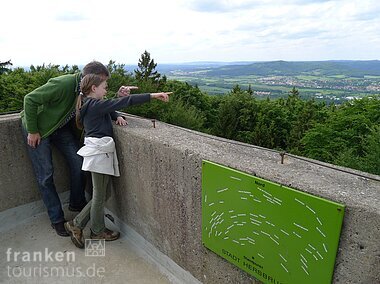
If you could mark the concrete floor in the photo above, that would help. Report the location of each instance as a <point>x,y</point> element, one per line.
<point>31,252</point>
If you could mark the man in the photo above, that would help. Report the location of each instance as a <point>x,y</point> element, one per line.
<point>46,121</point>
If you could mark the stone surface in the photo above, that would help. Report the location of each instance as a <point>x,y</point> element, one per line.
<point>121,263</point>
<point>159,194</point>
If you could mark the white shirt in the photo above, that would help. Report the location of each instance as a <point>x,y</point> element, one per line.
<point>99,156</point>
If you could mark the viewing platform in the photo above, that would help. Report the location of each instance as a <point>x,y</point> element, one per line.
<point>157,205</point>
<point>33,253</point>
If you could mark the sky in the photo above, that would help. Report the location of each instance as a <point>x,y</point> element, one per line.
<point>75,32</point>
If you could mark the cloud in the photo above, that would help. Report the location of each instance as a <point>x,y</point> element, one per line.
<point>222,6</point>
<point>70,17</point>
<point>305,2</point>
<point>191,30</point>
<point>308,33</point>
<point>367,16</point>
<point>225,6</point>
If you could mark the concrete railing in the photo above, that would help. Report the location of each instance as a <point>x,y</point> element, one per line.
<point>159,194</point>
<point>18,185</point>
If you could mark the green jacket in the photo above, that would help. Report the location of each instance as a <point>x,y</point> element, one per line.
<point>46,107</point>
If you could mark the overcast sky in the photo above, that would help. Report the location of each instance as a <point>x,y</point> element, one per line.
<point>174,31</point>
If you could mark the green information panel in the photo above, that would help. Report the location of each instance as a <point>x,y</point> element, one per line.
<point>275,233</point>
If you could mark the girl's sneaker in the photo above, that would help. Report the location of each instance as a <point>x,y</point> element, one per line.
<point>107,235</point>
<point>76,234</point>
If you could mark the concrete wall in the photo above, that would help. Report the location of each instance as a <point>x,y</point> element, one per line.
<point>18,185</point>
<point>159,195</point>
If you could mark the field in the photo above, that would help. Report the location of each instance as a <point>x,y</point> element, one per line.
<point>333,88</point>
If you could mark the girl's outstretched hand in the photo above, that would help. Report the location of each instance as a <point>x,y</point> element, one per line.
<point>163,96</point>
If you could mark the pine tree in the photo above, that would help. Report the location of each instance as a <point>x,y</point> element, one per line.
<point>236,89</point>
<point>3,66</point>
<point>146,69</point>
<point>250,91</point>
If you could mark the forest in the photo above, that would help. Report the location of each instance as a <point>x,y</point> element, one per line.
<point>347,134</point>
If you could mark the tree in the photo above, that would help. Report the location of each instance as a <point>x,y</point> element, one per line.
<point>146,69</point>
<point>14,85</point>
<point>184,115</point>
<point>236,116</point>
<point>293,99</point>
<point>250,91</point>
<point>3,66</point>
<point>371,159</point>
<point>345,134</point>
<point>272,126</point>
<point>236,89</point>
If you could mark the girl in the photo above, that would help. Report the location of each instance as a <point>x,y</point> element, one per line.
<point>99,153</point>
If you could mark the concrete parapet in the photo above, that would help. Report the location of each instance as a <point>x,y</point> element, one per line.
<point>159,193</point>
<point>18,185</point>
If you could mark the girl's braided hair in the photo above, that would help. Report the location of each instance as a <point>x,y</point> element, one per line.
<point>86,84</point>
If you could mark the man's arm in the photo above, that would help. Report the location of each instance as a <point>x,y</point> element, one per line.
<point>32,102</point>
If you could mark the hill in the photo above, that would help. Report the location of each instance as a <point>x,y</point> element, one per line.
<point>357,69</point>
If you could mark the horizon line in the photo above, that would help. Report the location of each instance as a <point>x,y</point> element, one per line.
<point>211,62</point>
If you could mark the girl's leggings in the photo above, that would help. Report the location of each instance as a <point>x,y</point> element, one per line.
<point>95,207</point>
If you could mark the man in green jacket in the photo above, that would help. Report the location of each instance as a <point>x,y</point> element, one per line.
<point>48,111</point>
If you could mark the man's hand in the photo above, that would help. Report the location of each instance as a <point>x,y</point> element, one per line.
<point>34,139</point>
<point>164,96</point>
<point>125,90</point>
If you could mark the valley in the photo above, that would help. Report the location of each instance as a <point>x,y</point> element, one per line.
<point>328,81</point>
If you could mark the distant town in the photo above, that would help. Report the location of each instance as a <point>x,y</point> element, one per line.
<point>356,85</point>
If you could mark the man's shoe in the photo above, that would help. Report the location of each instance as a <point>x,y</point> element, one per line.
<point>76,234</point>
<point>60,229</point>
<point>76,208</point>
<point>107,235</point>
